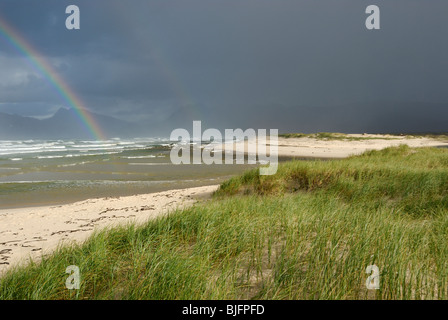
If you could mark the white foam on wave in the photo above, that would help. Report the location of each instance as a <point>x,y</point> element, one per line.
<point>140,157</point>
<point>150,164</point>
<point>49,157</point>
<point>54,149</point>
<point>74,164</point>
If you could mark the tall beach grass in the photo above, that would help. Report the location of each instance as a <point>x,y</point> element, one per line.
<point>307,232</point>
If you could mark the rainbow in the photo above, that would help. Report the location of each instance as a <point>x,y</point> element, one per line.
<point>59,84</point>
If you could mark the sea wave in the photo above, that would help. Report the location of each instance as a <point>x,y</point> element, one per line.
<point>44,147</point>
<point>140,157</point>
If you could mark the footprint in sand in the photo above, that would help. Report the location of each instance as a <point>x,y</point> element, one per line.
<point>144,208</point>
<point>4,258</point>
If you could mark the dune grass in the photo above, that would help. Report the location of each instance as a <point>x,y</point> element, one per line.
<point>308,232</point>
<point>333,136</point>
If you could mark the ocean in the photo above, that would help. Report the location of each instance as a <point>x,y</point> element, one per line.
<point>49,172</point>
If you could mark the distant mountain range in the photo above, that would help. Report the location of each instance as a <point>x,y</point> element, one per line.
<point>64,124</point>
<point>381,117</point>
<point>68,124</point>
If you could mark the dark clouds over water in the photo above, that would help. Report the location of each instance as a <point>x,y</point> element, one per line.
<point>296,65</point>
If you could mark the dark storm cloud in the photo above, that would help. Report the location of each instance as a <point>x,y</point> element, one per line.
<point>298,65</point>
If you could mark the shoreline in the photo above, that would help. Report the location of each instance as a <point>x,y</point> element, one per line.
<point>31,231</point>
<point>339,149</point>
<point>344,146</point>
<point>35,231</point>
<point>312,216</point>
<point>60,197</point>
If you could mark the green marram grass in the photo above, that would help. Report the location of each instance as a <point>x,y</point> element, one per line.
<point>329,136</point>
<point>333,136</point>
<point>307,232</point>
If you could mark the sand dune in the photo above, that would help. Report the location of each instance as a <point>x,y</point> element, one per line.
<point>309,147</point>
<point>30,232</point>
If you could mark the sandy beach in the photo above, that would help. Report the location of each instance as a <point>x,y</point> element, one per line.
<point>31,232</point>
<point>308,147</point>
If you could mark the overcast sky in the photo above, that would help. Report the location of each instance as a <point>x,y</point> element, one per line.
<point>146,59</point>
